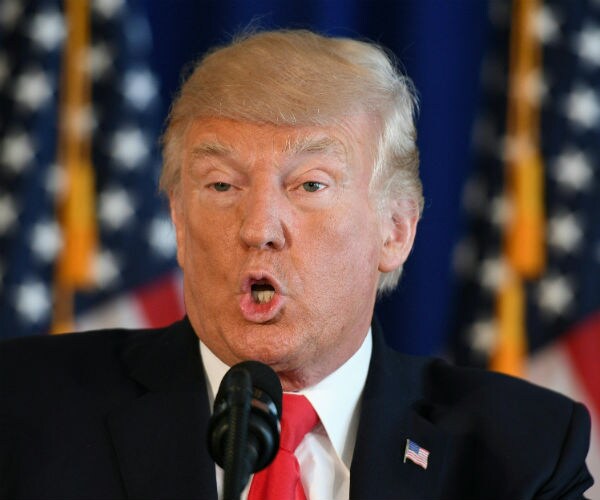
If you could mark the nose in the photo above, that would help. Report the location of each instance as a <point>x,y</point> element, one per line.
<point>262,219</point>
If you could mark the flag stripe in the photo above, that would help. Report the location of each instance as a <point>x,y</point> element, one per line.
<point>583,346</point>
<point>121,312</point>
<point>416,454</point>
<point>161,301</point>
<point>555,368</point>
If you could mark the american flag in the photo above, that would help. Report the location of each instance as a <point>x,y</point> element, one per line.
<point>561,305</point>
<point>416,454</point>
<point>134,278</point>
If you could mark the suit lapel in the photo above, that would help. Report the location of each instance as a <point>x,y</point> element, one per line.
<point>393,411</point>
<point>159,438</point>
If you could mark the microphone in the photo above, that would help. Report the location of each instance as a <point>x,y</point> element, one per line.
<point>243,431</point>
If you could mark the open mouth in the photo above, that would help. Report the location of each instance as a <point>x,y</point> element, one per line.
<point>262,298</point>
<point>262,292</point>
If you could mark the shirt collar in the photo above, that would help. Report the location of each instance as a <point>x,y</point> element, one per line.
<point>336,398</point>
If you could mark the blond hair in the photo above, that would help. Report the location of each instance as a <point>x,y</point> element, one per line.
<point>297,77</point>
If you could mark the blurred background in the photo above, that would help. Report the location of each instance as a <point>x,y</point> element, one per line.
<point>505,272</point>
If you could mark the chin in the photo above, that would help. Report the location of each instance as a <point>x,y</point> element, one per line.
<point>275,358</point>
<point>273,354</point>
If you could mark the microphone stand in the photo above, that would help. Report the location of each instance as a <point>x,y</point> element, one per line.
<point>237,469</point>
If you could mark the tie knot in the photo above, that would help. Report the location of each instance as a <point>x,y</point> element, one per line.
<point>298,417</point>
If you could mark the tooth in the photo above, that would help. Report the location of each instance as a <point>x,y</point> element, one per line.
<point>262,296</point>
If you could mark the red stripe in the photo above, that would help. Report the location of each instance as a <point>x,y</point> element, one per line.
<point>583,345</point>
<point>161,301</point>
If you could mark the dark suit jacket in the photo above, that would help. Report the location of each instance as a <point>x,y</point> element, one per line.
<point>118,413</point>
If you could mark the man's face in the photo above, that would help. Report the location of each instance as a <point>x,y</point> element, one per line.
<point>280,243</point>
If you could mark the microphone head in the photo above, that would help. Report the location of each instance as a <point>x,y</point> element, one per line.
<point>264,414</point>
<point>264,379</point>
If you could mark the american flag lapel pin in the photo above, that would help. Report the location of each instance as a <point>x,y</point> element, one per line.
<point>416,454</point>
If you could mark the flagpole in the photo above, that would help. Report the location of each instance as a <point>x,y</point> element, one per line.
<point>76,202</point>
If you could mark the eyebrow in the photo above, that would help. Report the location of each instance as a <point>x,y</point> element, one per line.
<point>296,146</point>
<point>312,145</point>
<point>212,148</point>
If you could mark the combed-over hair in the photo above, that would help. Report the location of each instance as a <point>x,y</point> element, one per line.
<point>297,77</point>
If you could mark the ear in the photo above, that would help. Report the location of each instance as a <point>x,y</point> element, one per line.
<point>178,218</point>
<point>399,227</point>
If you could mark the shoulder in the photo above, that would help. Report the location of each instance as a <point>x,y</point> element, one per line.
<point>446,381</point>
<point>511,425</point>
<point>485,394</point>
<point>485,400</point>
<point>502,426</point>
<point>443,391</point>
<point>46,360</point>
<point>35,345</point>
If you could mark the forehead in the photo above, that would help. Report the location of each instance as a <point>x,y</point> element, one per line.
<point>224,137</point>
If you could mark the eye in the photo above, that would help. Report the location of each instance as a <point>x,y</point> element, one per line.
<point>312,186</point>
<point>221,186</point>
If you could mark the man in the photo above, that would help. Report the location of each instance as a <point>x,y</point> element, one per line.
<point>292,174</point>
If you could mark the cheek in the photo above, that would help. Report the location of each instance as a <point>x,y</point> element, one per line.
<point>209,250</point>
<point>349,244</point>
<point>204,225</point>
<point>359,230</point>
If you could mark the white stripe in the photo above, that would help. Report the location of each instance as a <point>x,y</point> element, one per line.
<point>122,312</point>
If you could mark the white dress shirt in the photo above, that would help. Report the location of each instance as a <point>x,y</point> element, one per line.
<point>325,453</point>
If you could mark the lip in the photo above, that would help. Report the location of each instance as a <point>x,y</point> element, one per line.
<point>260,313</point>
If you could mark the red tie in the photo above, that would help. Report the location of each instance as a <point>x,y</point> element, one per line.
<point>281,479</point>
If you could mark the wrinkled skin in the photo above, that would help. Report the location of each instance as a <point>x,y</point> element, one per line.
<point>290,206</point>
